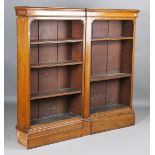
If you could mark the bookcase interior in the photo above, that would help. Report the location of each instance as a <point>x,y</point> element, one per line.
<point>56,59</point>
<point>112,28</point>
<point>111,61</point>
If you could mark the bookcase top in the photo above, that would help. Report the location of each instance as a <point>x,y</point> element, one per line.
<point>111,10</point>
<point>49,8</point>
<point>48,11</point>
<point>60,11</point>
<point>112,13</point>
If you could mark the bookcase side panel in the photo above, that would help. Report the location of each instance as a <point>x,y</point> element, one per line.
<point>132,68</point>
<point>23,73</point>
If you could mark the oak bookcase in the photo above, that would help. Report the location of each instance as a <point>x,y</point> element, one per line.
<point>75,72</point>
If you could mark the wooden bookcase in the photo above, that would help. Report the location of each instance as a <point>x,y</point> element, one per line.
<point>75,72</point>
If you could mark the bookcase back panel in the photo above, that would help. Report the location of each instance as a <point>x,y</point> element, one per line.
<point>114,57</point>
<point>56,29</point>
<point>47,110</point>
<point>34,49</point>
<point>50,79</point>
<point>76,106</point>
<point>126,56</point>
<point>47,29</point>
<point>115,28</point>
<point>47,53</point>
<point>104,93</point>
<point>34,55</point>
<point>53,106</point>
<point>64,78</point>
<point>111,93</point>
<point>34,30</point>
<point>99,58</point>
<point>34,81</point>
<point>64,53</point>
<point>112,28</point>
<point>47,79</point>
<point>100,28</point>
<point>128,28</point>
<point>111,57</point>
<point>34,110</point>
<point>125,91</point>
<point>56,53</point>
<point>98,94</point>
<point>64,29</point>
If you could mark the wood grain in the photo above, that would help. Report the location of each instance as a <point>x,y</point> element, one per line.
<point>53,132</point>
<point>60,41</point>
<point>23,73</point>
<point>112,13</point>
<point>105,121</point>
<point>98,94</point>
<point>114,57</point>
<point>111,38</point>
<point>58,92</point>
<point>48,11</point>
<point>112,76</point>
<point>99,58</point>
<point>56,64</point>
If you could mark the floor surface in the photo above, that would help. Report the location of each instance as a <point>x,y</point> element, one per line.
<point>133,140</point>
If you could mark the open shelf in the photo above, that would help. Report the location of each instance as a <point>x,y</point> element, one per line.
<point>55,64</point>
<point>56,93</point>
<point>105,94</point>
<point>109,76</point>
<point>55,108</point>
<point>52,41</point>
<point>111,57</point>
<point>111,64</point>
<point>108,108</point>
<point>54,118</point>
<point>112,38</point>
<point>112,29</point>
<point>56,58</point>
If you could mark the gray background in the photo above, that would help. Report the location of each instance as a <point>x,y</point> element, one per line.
<point>132,140</point>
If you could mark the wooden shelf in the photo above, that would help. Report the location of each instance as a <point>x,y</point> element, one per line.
<point>47,41</point>
<point>54,118</point>
<point>108,107</point>
<point>56,64</point>
<point>109,76</point>
<point>112,38</point>
<point>59,92</point>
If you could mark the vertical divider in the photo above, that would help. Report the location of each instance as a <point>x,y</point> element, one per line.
<point>57,22</point>
<point>91,67</point>
<point>38,69</point>
<point>86,109</point>
<point>83,55</point>
<point>107,68</point>
<point>132,57</point>
<point>87,67</point>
